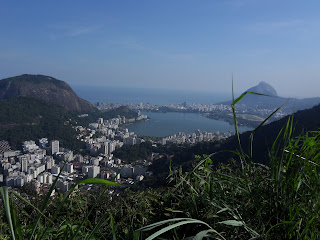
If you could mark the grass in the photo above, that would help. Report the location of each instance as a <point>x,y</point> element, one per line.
<point>240,199</point>
<point>246,200</point>
<point>45,225</point>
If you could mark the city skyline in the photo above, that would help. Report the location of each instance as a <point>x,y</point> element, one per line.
<point>168,45</point>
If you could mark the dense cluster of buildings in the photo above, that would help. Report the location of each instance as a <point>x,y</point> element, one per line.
<point>110,134</point>
<point>39,164</point>
<point>205,109</point>
<point>31,165</point>
<point>195,137</point>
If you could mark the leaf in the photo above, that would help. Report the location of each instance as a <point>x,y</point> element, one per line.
<point>203,234</point>
<point>98,181</point>
<point>157,224</point>
<point>168,228</point>
<point>223,210</point>
<point>63,227</point>
<point>172,210</point>
<point>234,223</point>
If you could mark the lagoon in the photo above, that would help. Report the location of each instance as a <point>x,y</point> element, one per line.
<point>165,124</point>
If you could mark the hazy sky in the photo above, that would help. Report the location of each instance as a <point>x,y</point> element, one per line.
<point>166,44</point>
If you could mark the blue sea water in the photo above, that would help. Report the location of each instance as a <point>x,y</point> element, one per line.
<point>105,94</point>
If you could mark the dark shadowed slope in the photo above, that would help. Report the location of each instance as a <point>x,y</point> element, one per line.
<point>304,120</point>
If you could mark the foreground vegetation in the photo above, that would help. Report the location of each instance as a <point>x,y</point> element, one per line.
<point>239,199</point>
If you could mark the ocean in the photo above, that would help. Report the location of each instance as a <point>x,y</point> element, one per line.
<point>96,94</point>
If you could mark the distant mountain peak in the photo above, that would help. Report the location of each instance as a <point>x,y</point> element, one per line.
<point>264,88</point>
<point>263,83</point>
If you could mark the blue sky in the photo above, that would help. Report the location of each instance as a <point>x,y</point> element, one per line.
<point>166,44</point>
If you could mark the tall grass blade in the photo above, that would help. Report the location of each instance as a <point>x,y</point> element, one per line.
<point>277,225</point>
<point>207,233</point>
<point>113,228</point>
<point>95,181</point>
<point>67,194</point>
<point>6,203</point>
<point>235,122</point>
<point>46,200</point>
<point>157,224</point>
<point>98,181</point>
<point>101,221</point>
<point>168,228</point>
<point>30,204</point>
<point>253,132</point>
<point>16,222</point>
<point>234,223</point>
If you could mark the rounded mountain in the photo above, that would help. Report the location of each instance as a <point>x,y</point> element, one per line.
<point>45,88</point>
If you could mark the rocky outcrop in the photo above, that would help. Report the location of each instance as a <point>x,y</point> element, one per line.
<point>264,88</point>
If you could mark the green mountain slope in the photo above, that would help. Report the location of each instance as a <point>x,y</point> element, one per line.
<point>26,118</point>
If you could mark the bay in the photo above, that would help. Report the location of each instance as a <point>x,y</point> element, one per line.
<point>165,124</point>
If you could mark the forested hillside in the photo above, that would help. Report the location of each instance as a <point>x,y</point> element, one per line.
<point>26,118</point>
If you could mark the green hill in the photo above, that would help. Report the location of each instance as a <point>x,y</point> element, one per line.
<point>44,88</point>
<point>26,118</point>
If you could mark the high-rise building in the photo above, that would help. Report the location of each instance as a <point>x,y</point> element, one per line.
<point>63,186</point>
<point>45,177</point>
<point>24,164</point>
<point>100,120</point>
<point>68,156</point>
<point>93,171</point>
<point>105,148</point>
<point>111,146</point>
<point>54,146</point>
<point>55,169</point>
<point>69,168</point>
<point>130,141</point>
<point>94,161</point>
<point>79,158</point>
<point>48,161</point>
<point>40,168</point>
